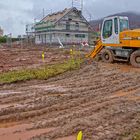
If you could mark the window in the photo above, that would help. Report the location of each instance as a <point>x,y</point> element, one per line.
<point>116,25</point>
<point>70,19</point>
<point>67,35</point>
<point>77,26</point>
<point>67,26</point>
<point>107,29</point>
<point>39,37</point>
<point>80,36</point>
<point>124,25</point>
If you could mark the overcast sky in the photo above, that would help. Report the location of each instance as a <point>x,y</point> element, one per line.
<point>15,14</point>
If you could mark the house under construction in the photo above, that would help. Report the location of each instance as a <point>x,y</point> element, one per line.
<point>66,27</point>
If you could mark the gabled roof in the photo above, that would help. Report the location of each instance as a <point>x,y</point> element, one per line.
<point>55,17</point>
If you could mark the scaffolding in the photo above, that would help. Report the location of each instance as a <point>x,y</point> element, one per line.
<point>78,4</point>
<point>30,32</point>
<point>9,40</point>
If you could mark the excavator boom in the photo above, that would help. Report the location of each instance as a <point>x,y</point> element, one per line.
<point>96,50</point>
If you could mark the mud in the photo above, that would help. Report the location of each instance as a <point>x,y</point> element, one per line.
<point>16,58</point>
<point>20,132</point>
<point>102,100</point>
<point>67,138</point>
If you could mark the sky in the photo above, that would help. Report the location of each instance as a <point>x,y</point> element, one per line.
<point>15,14</point>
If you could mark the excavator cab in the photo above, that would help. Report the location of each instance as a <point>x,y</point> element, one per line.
<point>111,28</point>
<point>110,33</point>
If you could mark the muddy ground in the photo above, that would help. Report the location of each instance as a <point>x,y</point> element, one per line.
<point>102,100</point>
<point>16,58</point>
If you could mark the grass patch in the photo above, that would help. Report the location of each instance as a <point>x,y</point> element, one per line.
<point>136,136</point>
<point>132,135</point>
<point>42,73</point>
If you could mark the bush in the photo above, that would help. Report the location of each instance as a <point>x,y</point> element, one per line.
<point>2,39</point>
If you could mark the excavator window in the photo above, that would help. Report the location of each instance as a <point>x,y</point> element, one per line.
<point>107,28</point>
<point>124,25</point>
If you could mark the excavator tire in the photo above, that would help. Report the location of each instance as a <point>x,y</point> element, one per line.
<point>107,56</point>
<point>135,59</point>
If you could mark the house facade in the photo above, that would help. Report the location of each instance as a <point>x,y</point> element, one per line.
<point>68,27</point>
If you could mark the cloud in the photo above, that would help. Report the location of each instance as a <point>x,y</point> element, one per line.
<point>102,8</point>
<point>15,14</point>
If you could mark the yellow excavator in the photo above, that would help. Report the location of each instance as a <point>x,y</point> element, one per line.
<point>119,42</point>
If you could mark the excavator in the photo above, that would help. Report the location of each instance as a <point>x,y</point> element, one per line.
<point>118,42</point>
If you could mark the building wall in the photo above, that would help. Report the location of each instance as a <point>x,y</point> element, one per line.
<point>66,38</point>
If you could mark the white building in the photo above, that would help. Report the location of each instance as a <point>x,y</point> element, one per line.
<point>68,26</point>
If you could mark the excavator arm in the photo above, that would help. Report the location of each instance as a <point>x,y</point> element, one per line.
<point>96,50</point>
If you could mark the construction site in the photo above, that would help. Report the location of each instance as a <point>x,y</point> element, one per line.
<point>98,98</point>
<point>59,87</point>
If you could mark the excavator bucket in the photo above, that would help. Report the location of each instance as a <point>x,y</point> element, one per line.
<point>96,50</point>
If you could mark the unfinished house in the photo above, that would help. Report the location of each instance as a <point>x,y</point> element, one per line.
<point>66,27</point>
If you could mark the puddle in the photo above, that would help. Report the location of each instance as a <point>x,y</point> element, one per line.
<point>129,69</point>
<point>68,138</point>
<point>119,94</point>
<point>9,124</point>
<point>51,88</point>
<point>21,132</point>
<point>124,93</point>
<point>9,92</point>
<point>4,106</point>
<point>124,67</point>
<point>134,98</point>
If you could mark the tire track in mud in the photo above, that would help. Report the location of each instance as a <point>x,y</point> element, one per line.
<point>88,102</point>
<point>94,124</point>
<point>31,108</point>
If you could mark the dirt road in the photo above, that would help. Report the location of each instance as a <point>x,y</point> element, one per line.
<point>102,100</point>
